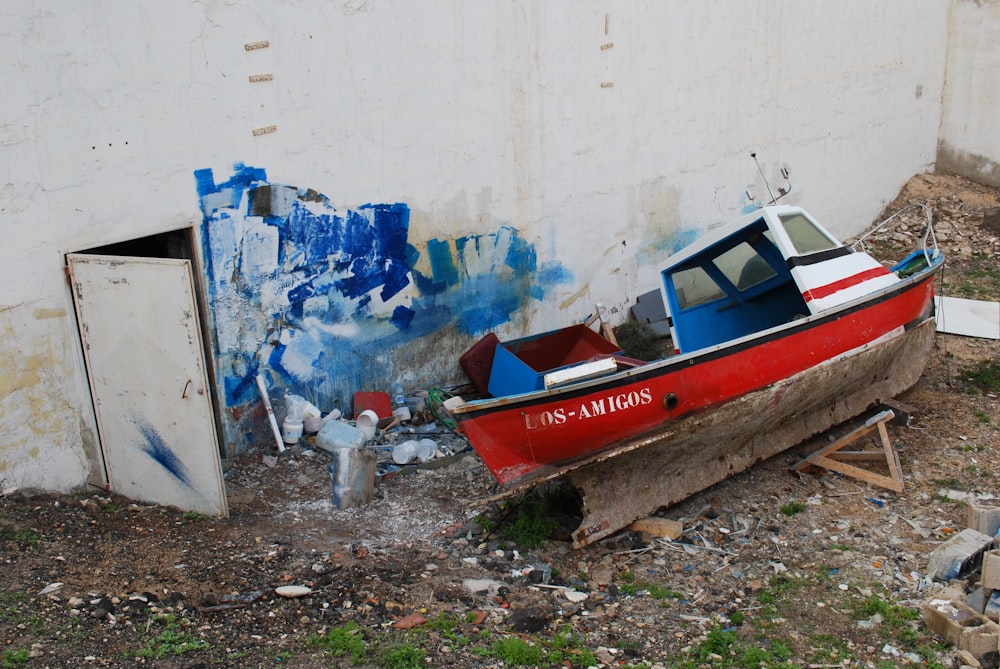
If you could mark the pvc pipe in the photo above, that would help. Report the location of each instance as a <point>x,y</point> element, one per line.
<point>270,414</point>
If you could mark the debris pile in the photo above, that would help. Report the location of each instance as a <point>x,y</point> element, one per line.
<point>966,613</point>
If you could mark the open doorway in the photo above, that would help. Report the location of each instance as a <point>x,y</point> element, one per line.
<point>139,319</point>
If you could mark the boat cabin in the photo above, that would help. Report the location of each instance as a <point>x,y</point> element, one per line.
<point>766,269</point>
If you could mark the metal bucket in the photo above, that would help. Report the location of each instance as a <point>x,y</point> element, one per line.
<point>353,476</point>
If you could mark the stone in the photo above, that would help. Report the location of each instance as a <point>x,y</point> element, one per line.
<point>292,591</point>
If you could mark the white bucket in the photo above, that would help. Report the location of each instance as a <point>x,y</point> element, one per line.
<point>367,422</point>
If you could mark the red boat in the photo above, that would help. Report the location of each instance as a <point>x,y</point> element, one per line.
<point>781,332</point>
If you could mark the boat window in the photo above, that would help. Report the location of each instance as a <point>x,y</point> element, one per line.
<point>694,286</point>
<point>805,236</point>
<point>744,267</point>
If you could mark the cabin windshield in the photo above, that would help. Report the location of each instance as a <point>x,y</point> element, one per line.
<point>736,287</point>
<point>805,236</point>
<point>744,267</point>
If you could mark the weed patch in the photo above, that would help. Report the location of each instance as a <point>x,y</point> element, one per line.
<point>792,508</point>
<point>341,641</point>
<point>984,377</point>
<point>171,640</point>
<point>24,538</point>
<point>14,658</point>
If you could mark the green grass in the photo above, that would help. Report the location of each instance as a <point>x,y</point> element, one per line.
<point>633,588</point>
<point>341,641</point>
<point>725,648</point>
<point>448,626</point>
<point>14,658</point>
<point>894,616</point>
<point>792,508</point>
<point>984,377</point>
<point>527,522</point>
<point>171,640</point>
<point>24,538</point>
<point>516,652</point>
<point>981,283</point>
<point>402,656</point>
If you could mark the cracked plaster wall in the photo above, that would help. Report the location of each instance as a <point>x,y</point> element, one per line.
<point>969,144</point>
<point>603,134</point>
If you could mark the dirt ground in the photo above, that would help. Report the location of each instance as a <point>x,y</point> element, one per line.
<point>774,569</point>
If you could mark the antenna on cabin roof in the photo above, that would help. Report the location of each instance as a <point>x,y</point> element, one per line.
<point>782,191</point>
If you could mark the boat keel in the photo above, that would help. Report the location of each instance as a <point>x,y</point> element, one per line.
<point>694,453</point>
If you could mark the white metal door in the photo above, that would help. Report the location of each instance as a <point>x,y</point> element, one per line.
<point>142,342</point>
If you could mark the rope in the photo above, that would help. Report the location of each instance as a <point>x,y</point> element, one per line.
<point>435,402</point>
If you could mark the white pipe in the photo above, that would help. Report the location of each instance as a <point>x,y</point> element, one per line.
<point>270,413</point>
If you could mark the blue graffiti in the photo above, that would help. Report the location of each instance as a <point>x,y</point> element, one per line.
<point>317,298</point>
<point>158,450</point>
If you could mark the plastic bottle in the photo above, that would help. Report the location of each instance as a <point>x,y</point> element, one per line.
<point>399,408</point>
<point>291,427</point>
<point>398,395</point>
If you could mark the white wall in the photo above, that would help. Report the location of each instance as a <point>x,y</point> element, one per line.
<point>476,115</point>
<point>969,143</point>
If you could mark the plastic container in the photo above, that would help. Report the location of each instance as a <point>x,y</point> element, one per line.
<point>291,427</point>
<point>352,475</point>
<point>313,424</point>
<point>291,431</point>
<point>295,408</point>
<point>402,414</point>
<point>405,452</point>
<point>337,434</point>
<point>367,422</point>
<point>426,450</point>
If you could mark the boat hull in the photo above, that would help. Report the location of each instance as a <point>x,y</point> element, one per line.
<point>696,452</point>
<point>527,438</point>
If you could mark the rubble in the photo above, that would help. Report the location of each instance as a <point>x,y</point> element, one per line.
<point>812,569</point>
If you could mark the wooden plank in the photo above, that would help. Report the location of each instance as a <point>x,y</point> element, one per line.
<point>658,527</point>
<point>832,458</point>
<point>858,473</point>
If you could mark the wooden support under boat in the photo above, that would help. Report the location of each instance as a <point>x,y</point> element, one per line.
<point>833,458</point>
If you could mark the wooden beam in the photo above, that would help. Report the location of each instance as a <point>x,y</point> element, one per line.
<point>831,457</point>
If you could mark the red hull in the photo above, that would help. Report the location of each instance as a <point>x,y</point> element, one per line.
<point>523,437</point>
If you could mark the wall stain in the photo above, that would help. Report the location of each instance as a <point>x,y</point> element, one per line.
<point>41,314</point>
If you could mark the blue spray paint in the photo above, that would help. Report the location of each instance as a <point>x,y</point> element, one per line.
<point>319,300</point>
<point>158,450</point>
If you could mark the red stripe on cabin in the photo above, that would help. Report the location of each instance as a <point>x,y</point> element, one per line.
<point>831,288</point>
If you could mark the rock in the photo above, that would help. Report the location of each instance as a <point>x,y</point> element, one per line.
<point>528,621</point>
<point>50,589</point>
<point>292,591</point>
<point>481,586</point>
